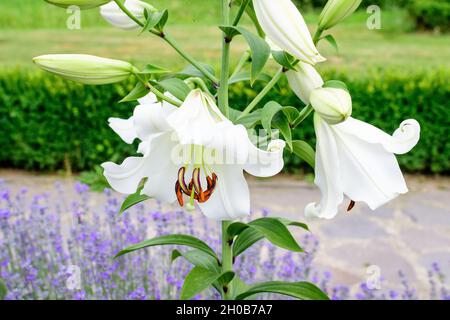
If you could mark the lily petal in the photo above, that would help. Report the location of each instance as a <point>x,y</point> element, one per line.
<point>401,142</point>
<point>327,173</point>
<point>231,198</point>
<point>124,128</point>
<point>369,169</point>
<point>150,119</point>
<point>195,121</point>
<point>267,163</point>
<point>126,177</point>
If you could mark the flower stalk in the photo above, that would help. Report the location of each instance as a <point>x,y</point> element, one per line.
<point>225,68</point>
<point>227,258</point>
<point>172,43</point>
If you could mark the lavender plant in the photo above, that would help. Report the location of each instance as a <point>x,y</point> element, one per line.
<point>59,245</point>
<point>186,127</point>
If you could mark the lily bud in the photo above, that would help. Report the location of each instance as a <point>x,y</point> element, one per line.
<point>285,26</point>
<point>83,4</point>
<point>335,11</point>
<point>332,104</point>
<point>304,80</point>
<point>85,68</point>
<point>116,17</point>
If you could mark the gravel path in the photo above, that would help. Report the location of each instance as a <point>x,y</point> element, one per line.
<point>409,234</point>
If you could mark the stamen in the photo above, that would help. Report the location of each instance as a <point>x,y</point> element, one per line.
<point>197,185</point>
<point>179,194</point>
<point>181,181</point>
<point>351,205</point>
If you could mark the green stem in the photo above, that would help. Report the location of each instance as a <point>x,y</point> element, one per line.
<point>241,63</point>
<point>317,36</point>
<point>240,12</point>
<point>306,111</point>
<point>171,42</point>
<point>263,93</point>
<point>189,58</point>
<point>227,258</point>
<point>225,69</point>
<point>158,93</point>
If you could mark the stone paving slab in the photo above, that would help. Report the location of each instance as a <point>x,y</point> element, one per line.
<point>409,234</point>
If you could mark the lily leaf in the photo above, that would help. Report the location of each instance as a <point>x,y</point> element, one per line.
<point>198,258</point>
<point>304,151</point>
<point>250,120</point>
<point>133,199</point>
<point>331,40</point>
<point>172,239</point>
<point>191,71</point>
<point>236,228</point>
<point>155,20</point>
<point>246,76</point>
<point>300,290</point>
<point>175,86</point>
<point>153,69</point>
<point>259,48</point>
<point>250,236</point>
<point>276,232</point>
<point>199,279</point>
<point>284,59</point>
<point>138,92</point>
<point>281,122</point>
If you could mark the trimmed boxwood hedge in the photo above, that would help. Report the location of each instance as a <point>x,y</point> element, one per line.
<point>47,123</point>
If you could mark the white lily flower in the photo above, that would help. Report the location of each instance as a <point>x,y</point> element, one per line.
<point>198,140</point>
<point>356,159</point>
<point>285,26</point>
<point>304,80</point>
<point>116,17</point>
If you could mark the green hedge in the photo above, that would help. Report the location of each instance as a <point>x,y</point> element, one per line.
<point>48,124</point>
<point>431,14</point>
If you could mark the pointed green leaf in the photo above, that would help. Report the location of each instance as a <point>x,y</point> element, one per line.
<point>331,40</point>
<point>238,286</point>
<point>153,69</point>
<point>276,232</point>
<point>172,239</point>
<point>132,200</point>
<point>259,48</point>
<point>197,280</point>
<point>138,92</point>
<point>284,59</point>
<point>198,258</point>
<point>250,120</point>
<point>268,112</point>
<point>304,151</point>
<point>245,76</point>
<point>299,290</point>
<point>246,239</point>
<point>154,19</point>
<point>175,86</point>
<point>236,228</point>
<point>191,71</point>
<point>281,122</point>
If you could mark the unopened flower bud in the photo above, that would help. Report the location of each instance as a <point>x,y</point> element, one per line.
<point>116,17</point>
<point>86,69</point>
<point>332,104</point>
<point>335,11</point>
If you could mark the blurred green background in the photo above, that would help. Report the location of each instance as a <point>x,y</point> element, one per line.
<point>399,71</point>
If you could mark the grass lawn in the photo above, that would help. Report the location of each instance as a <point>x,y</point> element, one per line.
<point>30,28</point>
